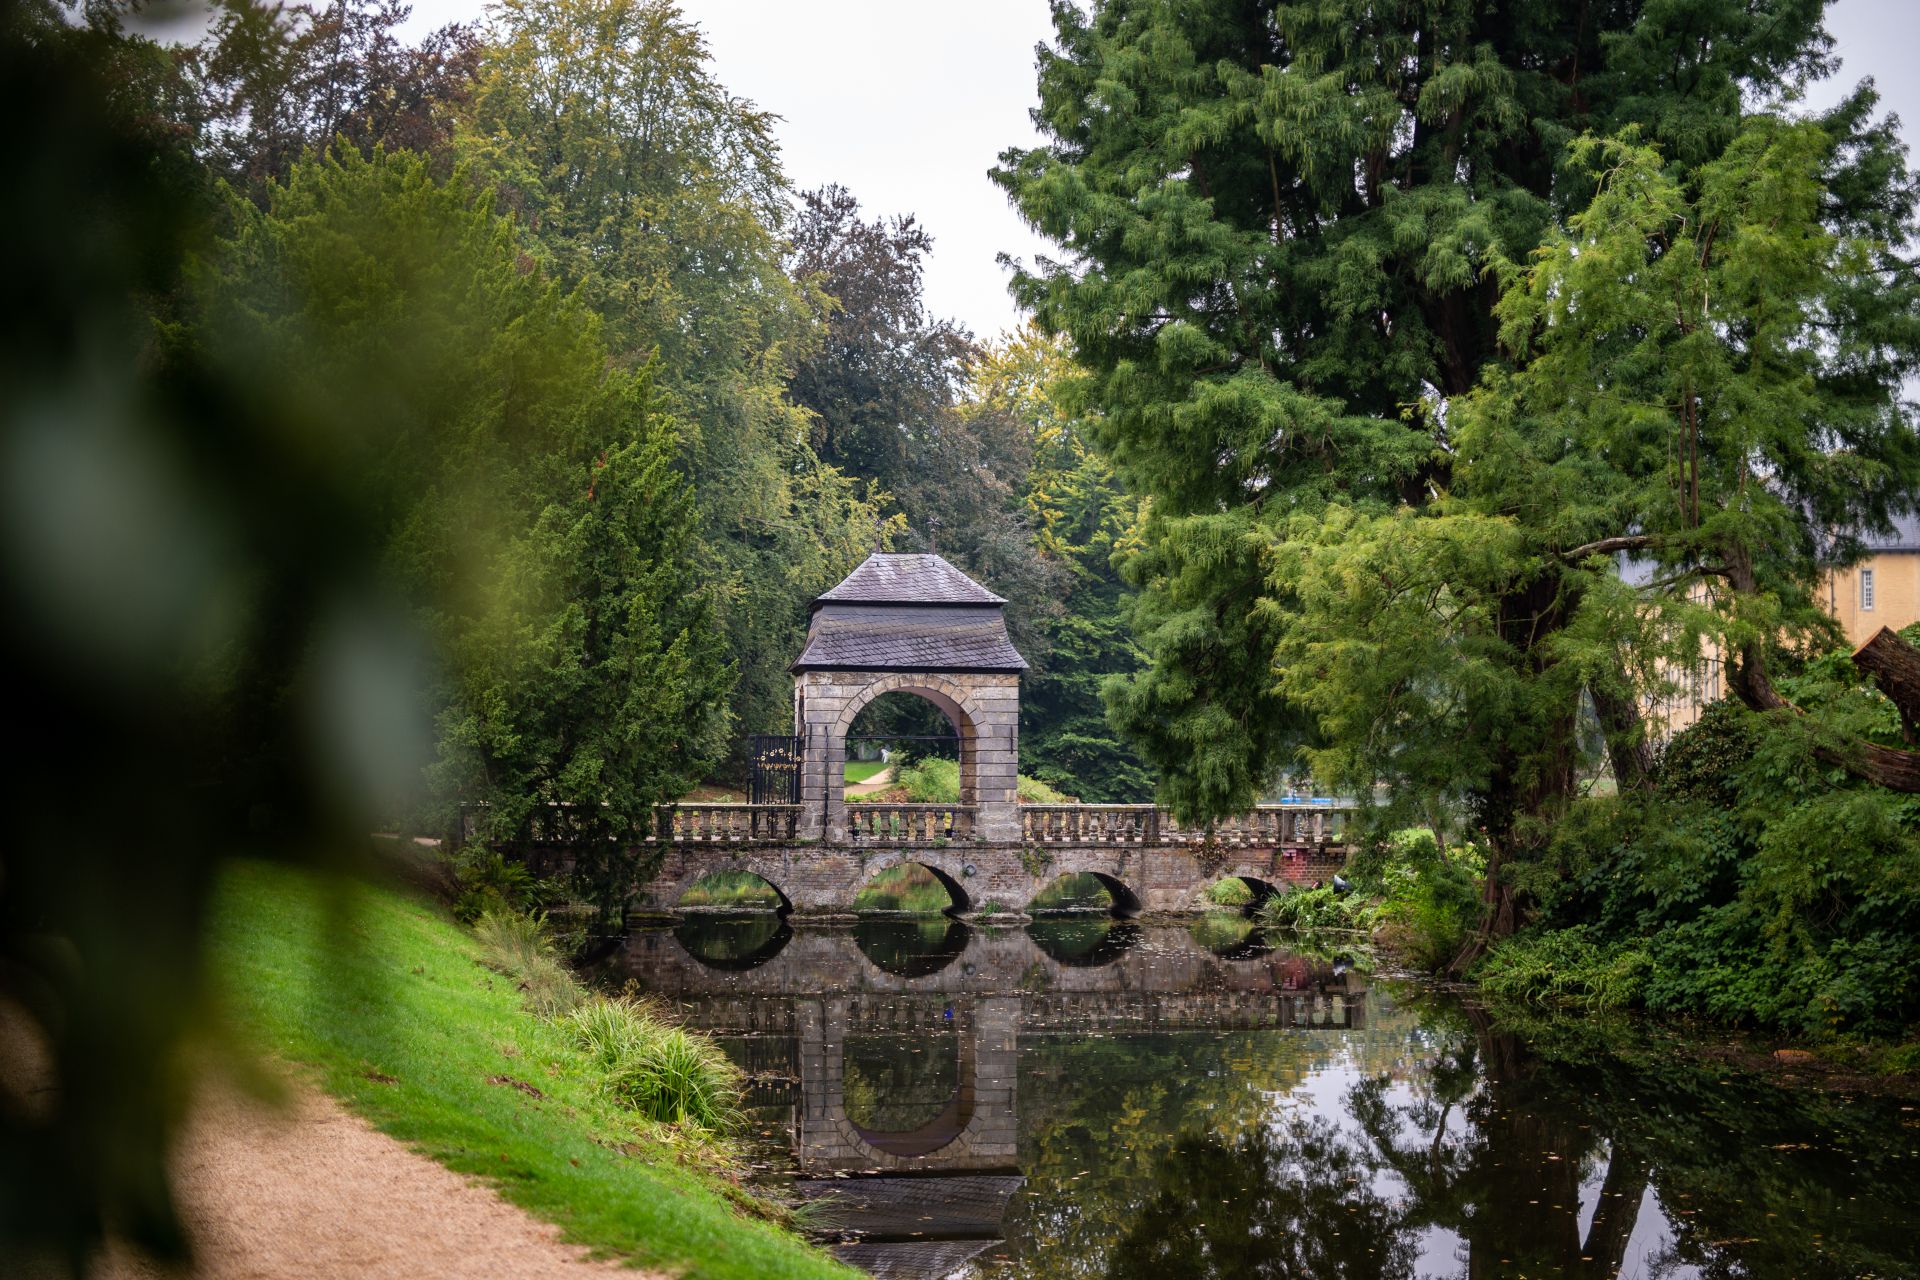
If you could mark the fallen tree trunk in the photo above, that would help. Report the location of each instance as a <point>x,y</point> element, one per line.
<point>1894,665</point>
<point>1888,767</point>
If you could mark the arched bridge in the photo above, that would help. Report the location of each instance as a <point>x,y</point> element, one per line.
<point>915,626</point>
<point>1146,860</point>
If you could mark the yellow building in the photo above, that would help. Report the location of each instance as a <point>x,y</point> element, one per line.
<point>1883,590</point>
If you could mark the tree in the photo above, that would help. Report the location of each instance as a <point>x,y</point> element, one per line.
<point>526,497</point>
<point>1082,524</point>
<point>886,388</point>
<point>277,80</point>
<point>1290,230</point>
<point>657,194</point>
<point>884,371</point>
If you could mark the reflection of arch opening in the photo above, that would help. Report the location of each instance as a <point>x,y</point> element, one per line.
<point>941,1129</point>
<point>733,889</point>
<point>733,942</point>
<point>911,892</point>
<point>1085,942</point>
<point>911,948</point>
<point>1229,935</point>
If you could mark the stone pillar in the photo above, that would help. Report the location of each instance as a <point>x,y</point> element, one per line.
<point>819,698</point>
<point>996,756</point>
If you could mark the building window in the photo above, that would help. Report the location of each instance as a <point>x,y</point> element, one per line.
<point>1866,589</point>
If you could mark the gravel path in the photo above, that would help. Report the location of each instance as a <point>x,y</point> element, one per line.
<point>321,1193</point>
<point>878,782</point>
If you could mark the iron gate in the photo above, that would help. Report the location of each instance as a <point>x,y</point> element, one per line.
<point>775,777</point>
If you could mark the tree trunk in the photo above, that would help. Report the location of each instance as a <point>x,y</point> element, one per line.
<point>1888,767</point>
<point>1628,750</point>
<point>1895,667</point>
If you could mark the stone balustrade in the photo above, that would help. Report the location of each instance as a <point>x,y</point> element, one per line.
<point>869,823</point>
<point>1294,826</point>
<point>725,823</point>
<point>1268,826</point>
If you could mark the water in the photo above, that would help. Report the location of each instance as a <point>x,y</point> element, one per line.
<point>1085,1098</point>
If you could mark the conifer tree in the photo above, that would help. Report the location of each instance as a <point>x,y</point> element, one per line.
<point>1288,230</point>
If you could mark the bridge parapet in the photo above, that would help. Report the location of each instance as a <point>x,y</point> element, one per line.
<point>1291,826</point>
<point>869,823</point>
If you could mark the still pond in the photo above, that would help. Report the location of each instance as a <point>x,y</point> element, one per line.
<point>1083,1097</point>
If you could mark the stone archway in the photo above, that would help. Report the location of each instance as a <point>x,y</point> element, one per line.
<point>909,624</point>
<point>984,708</point>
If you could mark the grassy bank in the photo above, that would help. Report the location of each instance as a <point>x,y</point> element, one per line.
<point>381,996</point>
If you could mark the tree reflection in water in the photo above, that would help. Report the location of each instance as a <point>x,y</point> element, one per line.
<point>1294,1201</point>
<point>1153,1107</point>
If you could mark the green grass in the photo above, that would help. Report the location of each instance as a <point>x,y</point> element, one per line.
<point>731,889</point>
<point>861,770</point>
<point>382,996</point>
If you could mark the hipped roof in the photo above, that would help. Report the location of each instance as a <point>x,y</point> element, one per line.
<point>908,613</point>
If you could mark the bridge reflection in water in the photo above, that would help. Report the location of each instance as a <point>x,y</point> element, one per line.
<point>888,1054</point>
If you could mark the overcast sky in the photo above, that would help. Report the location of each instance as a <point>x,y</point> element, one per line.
<point>907,103</point>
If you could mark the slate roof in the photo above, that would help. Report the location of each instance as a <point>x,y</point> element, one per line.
<point>897,637</point>
<point>884,578</point>
<point>908,613</point>
<point>1905,535</point>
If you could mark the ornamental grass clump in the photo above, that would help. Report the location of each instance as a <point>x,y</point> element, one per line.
<point>518,947</point>
<point>654,1068</point>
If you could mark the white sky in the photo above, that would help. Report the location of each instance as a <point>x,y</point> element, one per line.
<point>907,103</point>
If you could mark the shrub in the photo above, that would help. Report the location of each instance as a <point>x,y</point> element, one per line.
<point>1034,791</point>
<point>930,781</point>
<point>1230,891</point>
<point>490,881</point>
<point>1567,968</point>
<point>1429,909</point>
<point>937,781</point>
<point>654,1068</point>
<point>1310,910</point>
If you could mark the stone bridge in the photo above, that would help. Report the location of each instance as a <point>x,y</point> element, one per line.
<point>1143,858</point>
<point>915,626</point>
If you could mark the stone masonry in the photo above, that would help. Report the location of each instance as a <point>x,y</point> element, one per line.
<point>984,708</point>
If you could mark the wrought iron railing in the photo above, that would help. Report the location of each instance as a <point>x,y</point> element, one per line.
<point>908,823</point>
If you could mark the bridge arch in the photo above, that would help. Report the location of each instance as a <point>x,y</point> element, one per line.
<point>682,873</point>
<point>948,868</point>
<point>1104,867</point>
<point>1259,880</point>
